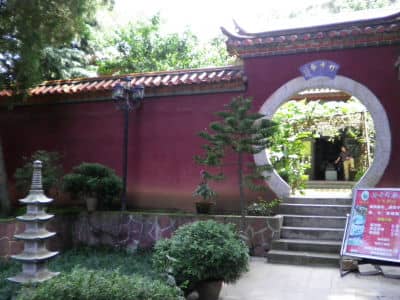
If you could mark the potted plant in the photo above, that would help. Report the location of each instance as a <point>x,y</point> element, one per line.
<point>202,255</point>
<point>204,191</point>
<point>95,183</point>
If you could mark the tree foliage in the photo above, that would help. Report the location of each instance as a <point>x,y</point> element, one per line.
<point>29,27</point>
<point>65,63</point>
<point>142,47</point>
<point>51,172</point>
<point>341,6</point>
<point>338,6</point>
<point>239,132</point>
<point>300,121</point>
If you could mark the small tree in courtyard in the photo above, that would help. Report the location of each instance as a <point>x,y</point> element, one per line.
<point>240,133</point>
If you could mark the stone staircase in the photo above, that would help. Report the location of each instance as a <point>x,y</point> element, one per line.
<point>312,230</point>
<point>326,185</point>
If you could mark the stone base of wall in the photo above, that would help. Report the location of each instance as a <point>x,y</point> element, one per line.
<point>9,246</point>
<point>133,231</point>
<point>141,231</point>
<point>62,225</point>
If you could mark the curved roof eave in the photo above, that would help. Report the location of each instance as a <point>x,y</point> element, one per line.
<point>360,21</point>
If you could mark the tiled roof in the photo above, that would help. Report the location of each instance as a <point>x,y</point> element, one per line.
<point>362,33</point>
<point>5,93</point>
<point>231,77</point>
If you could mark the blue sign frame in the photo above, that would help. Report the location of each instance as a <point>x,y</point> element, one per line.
<point>318,68</point>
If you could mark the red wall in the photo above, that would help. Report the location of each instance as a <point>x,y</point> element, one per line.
<point>162,133</point>
<point>372,67</point>
<point>162,142</point>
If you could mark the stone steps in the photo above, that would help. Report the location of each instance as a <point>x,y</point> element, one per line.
<point>319,200</point>
<point>312,231</point>
<point>329,184</point>
<point>314,209</point>
<point>314,221</point>
<point>307,245</point>
<point>303,258</point>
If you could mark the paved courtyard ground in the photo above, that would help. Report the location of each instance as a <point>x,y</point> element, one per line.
<point>283,282</point>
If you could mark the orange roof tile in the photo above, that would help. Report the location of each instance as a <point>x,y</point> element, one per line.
<point>152,80</point>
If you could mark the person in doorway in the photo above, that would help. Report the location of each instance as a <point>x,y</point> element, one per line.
<point>346,161</point>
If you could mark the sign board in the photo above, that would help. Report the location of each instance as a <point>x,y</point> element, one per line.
<point>373,229</point>
<point>318,68</point>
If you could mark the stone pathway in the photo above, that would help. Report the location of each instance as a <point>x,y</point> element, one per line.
<point>285,282</point>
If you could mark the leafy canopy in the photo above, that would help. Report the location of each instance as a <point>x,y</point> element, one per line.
<point>29,27</point>
<point>142,47</point>
<point>340,6</point>
<point>302,121</point>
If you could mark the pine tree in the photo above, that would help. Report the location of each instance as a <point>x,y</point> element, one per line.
<point>243,133</point>
<point>28,28</point>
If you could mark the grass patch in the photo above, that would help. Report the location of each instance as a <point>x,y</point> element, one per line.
<point>105,259</point>
<point>8,268</point>
<point>99,260</point>
<point>6,219</point>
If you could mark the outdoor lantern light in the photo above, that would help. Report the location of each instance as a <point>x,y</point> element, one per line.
<point>127,98</point>
<point>138,92</point>
<point>118,92</point>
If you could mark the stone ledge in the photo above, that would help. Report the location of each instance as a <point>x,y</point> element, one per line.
<point>134,230</point>
<point>141,231</point>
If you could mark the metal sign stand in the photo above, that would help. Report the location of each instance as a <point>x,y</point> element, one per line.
<point>344,270</point>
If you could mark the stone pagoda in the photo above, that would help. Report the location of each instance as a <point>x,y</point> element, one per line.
<point>35,255</point>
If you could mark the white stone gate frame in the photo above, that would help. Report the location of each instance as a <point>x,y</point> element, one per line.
<point>354,88</point>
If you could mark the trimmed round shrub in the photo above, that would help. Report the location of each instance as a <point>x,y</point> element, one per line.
<point>93,179</point>
<point>83,284</point>
<point>204,250</point>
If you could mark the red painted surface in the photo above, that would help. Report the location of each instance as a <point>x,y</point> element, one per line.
<point>162,142</point>
<point>372,67</point>
<point>162,136</point>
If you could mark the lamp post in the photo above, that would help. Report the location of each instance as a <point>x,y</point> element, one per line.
<point>127,98</point>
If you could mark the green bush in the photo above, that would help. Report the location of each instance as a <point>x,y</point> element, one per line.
<point>84,284</point>
<point>51,171</point>
<point>263,208</point>
<point>204,250</point>
<point>93,179</point>
<point>8,268</point>
<point>359,174</point>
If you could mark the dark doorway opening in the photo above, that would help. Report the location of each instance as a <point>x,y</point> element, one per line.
<point>325,153</point>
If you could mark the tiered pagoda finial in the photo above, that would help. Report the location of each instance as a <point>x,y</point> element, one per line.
<point>35,255</point>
